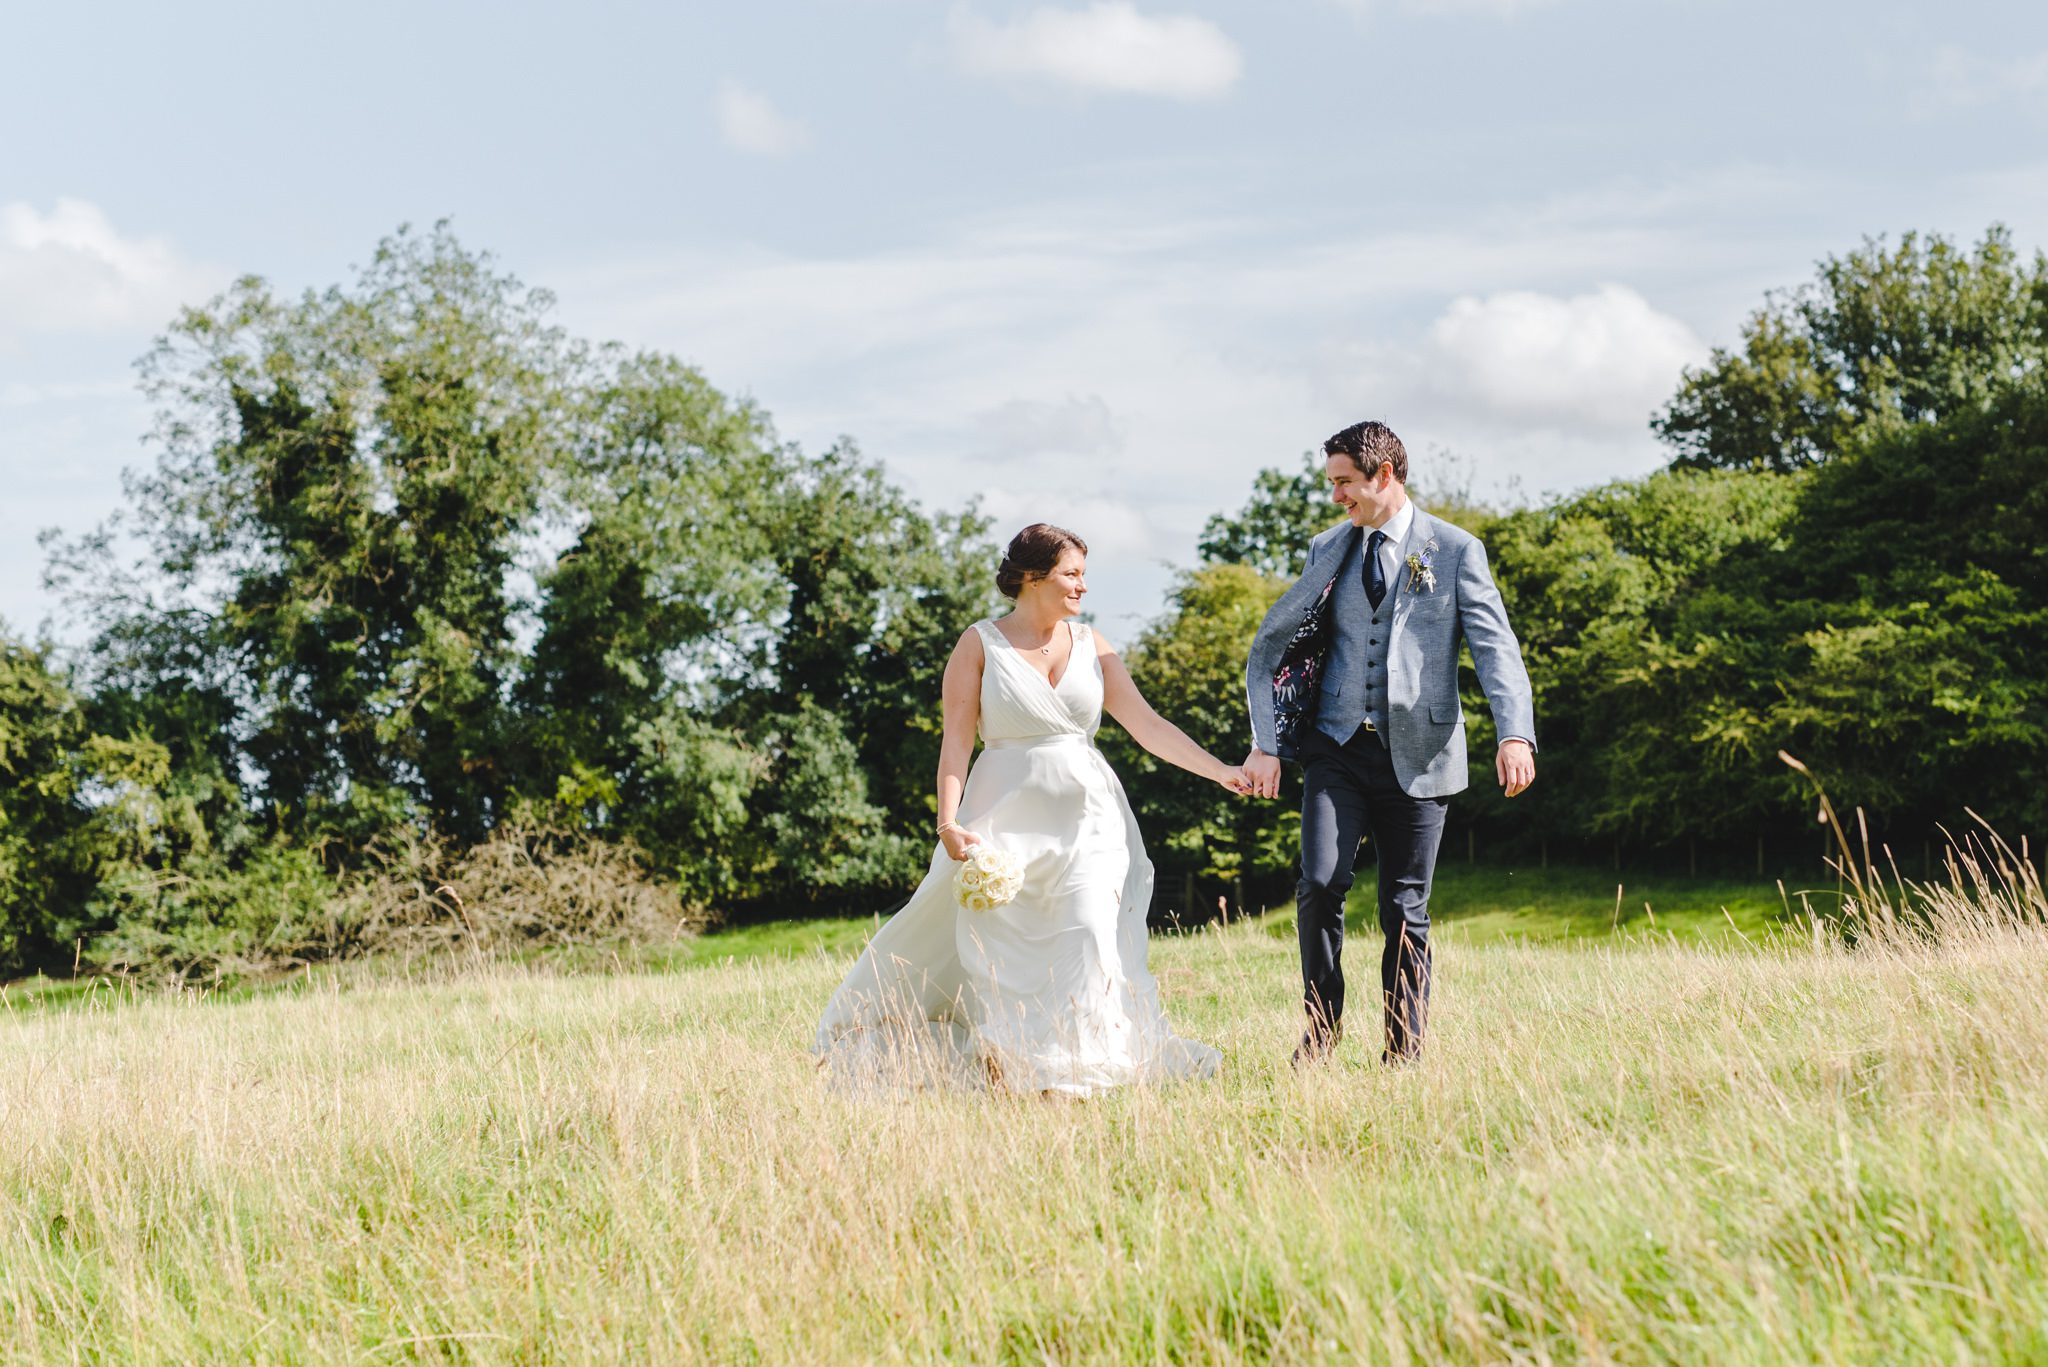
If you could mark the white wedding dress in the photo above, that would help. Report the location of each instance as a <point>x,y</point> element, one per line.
<point>1051,992</point>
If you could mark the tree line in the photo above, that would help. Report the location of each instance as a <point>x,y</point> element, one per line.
<point>1846,559</point>
<point>414,564</point>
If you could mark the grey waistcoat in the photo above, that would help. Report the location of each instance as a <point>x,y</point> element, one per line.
<point>1355,679</point>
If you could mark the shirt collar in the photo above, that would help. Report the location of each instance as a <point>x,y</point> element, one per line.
<point>1398,525</point>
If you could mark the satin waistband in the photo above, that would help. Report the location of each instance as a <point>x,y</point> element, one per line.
<point>1033,742</point>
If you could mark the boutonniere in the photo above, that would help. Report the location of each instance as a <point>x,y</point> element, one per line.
<point>1419,572</point>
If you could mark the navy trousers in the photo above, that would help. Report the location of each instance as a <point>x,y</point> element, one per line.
<point>1350,792</point>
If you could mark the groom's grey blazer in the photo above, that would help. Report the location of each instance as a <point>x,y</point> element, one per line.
<point>1425,723</point>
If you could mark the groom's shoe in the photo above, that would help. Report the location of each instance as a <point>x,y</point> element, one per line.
<point>1317,1045</point>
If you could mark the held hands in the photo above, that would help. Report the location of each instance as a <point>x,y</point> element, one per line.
<point>1262,772</point>
<point>958,840</point>
<point>1515,764</point>
<point>1233,777</point>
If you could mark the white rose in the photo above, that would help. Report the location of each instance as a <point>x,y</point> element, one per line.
<point>988,878</point>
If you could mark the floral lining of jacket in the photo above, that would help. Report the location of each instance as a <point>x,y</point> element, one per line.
<point>1297,683</point>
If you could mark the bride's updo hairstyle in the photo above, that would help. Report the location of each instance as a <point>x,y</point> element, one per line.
<point>1033,553</point>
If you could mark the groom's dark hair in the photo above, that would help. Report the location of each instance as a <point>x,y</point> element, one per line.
<point>1370,445</point>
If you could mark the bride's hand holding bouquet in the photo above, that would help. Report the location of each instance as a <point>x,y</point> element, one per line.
<point>988,877</point>
<point>958,840</point>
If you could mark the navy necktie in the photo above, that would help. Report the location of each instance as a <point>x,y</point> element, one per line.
<point>1375,574</point>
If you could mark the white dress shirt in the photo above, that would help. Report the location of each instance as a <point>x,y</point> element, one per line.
<point>1397,532</point>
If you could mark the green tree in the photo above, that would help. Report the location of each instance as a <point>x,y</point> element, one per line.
<point>1882,339</point>
<point>655,617</point>
<point>342,490</point>
<point>1911,597</point>
<point>827,840</point>
<point>76,808</point>
<point>1286,511</point>
<point>878,592</point>
<point>1190,666</point>
<point>1881,617</point>
<point>740,655</point>
<point>46,869</point>
<point>1640,704</point>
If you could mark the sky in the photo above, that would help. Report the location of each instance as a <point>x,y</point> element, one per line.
<point>1091,261</point>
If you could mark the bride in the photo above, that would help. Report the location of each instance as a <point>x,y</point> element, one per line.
<point>1048,993</point>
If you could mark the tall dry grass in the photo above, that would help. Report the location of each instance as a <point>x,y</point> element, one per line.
<point>1803,1152</point>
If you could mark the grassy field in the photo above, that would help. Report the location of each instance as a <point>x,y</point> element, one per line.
<point>1638,1149</point>
<point>1473,904</point>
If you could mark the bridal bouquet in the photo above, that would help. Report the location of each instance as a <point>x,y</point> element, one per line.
<point>988,878</point>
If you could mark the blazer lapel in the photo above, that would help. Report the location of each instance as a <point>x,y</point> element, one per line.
<point>1398,588</point>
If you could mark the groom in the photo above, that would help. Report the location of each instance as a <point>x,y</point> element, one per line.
<point>1354,673</point>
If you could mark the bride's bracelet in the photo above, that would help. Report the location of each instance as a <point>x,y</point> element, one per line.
<point>945,826</point>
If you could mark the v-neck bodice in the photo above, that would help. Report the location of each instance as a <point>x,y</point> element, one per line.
<point>1020,704</point>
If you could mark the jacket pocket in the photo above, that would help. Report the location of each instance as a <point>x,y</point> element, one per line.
<point>1333,687</point>
<point>1429,605</point>
<point>1447,714</point>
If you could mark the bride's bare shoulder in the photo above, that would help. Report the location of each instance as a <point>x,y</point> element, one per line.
<point>1102,646</point>
<point>968,649</point>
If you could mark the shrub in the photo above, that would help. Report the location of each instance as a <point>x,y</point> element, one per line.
<point>279,906</point>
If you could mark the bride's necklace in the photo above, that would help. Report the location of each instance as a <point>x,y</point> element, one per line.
<point>1046,649</point>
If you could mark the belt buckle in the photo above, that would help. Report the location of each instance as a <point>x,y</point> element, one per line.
<point>1367,724</point>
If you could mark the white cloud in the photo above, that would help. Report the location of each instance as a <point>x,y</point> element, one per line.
<point>1120,531</point>
<point>14,394</point>
<point>1033,427</point>
<point>1065,369</point>
<point>71,271</point>
<point>1963,78</point>
<point>1499,7</point>
<point>1107,47</point>
<point>750,122</point>
<point>1473,6</point>
<point>1127,371</point>
<point>1605,359</point>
